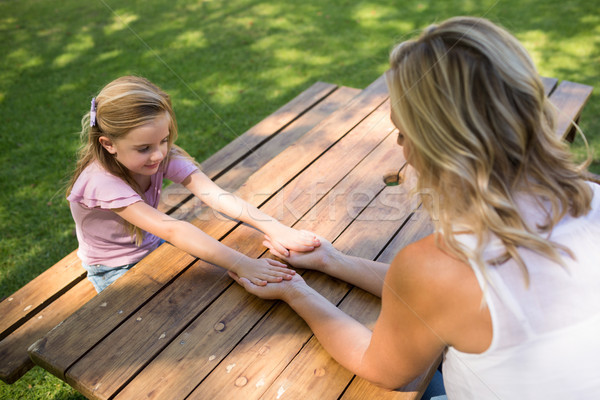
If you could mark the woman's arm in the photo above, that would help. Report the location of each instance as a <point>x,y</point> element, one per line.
<point>194,241</point>
<point>365,274</point>
<point>407,337</point>
<point>283,237</point>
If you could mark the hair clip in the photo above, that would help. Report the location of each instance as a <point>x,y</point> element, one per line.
<point>93,112</point>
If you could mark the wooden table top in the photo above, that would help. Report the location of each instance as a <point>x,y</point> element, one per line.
<point>176,327</point>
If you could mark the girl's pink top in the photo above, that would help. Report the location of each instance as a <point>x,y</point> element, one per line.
<point>103,238</point>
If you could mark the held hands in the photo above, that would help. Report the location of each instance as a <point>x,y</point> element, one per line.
<point>264,270</point>
<point>285,290</point>
<point>319,259</point>
<point>283,239</point>
<point>261,271</point>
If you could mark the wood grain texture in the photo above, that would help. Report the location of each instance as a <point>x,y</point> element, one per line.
<point>37,294</point>
<point>61,347</point>
<point>569,98</point>
<point>237,175</point>
<point>245,144</point>
<point>111,363</point>
<point>248,144</point>
<point>549,84</point>
<point>13,348</point>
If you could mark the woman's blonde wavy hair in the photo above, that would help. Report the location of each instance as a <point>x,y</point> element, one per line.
<point>480,129</point>
<point>124,104</point>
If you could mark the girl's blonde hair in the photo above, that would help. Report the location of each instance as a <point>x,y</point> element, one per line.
<point>480,130</point>
<point>124,104</point>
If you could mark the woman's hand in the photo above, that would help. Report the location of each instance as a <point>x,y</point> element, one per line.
<point>283,239</point>
<point>263,270</point>
<point>318,259</point>
<point>285,290</point>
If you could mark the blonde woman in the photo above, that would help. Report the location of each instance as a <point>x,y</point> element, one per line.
<point>508,286</point>
<point>128,149</point>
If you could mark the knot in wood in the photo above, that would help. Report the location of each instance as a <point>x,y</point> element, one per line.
<point>219,326</point>
<point>241,381</point>
<point>319,372</point>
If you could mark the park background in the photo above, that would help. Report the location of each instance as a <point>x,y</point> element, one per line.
<point>227,65</point>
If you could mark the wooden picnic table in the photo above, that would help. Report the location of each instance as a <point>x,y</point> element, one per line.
<point>177,327</point>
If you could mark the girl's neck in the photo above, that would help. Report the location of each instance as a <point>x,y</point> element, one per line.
<point>143,181</point>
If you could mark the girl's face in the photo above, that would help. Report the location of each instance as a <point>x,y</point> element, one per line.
<point>142,149</point>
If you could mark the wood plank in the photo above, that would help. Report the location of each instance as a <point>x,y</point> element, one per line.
<point>237,175</point>
<point>110,364</point>
<point>313,374</point>
<point>569,99</point>
<point>549,84</point>
<point>13,349</point>
<point>299,196</point>
<point>199,348</point>
<point>37,294</point>
<point>294,131</point>
<point>60,348</point>
<point>86,372</point>
<point>311,146</point>
<point>256,361</point>
<point>265,129</point>
<point>247,144</point>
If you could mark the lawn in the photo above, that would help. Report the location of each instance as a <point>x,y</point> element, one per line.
<point>227,65</point>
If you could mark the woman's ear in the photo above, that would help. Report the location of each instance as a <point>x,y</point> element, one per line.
<point>107,144</point>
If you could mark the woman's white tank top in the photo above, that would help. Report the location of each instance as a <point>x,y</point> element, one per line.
<point>546,337</point>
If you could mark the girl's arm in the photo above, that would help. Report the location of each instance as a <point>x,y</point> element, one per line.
<point>407,338</point>
<point>194,241</point>
<point>365,274</point>
<point>282,237</point>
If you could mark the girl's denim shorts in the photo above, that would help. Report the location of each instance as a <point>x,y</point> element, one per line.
<point>101,276</point>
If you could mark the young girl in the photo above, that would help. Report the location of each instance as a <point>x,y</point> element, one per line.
<point>508,287</point>
<point>113,194</point>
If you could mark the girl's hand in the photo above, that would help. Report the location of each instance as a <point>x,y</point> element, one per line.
<point>284,238</point>
<point>273,291</point>
<point>264,270</point>
<point>319,259</point>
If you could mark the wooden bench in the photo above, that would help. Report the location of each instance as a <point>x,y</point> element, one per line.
<point>60,291</point>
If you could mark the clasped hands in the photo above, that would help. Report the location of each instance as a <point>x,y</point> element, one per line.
<point>317,259</point>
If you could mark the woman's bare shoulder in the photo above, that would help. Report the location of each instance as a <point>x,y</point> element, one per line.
<point>443,288</point>
<point>426,260</point>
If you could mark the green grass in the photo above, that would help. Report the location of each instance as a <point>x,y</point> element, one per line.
<point>227,65</point>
